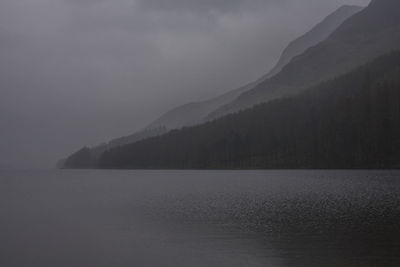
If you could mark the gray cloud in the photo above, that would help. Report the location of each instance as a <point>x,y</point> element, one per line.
<point>203,6</point>
<point>76,72</point>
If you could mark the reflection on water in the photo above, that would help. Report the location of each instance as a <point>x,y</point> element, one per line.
<point>193,218</point>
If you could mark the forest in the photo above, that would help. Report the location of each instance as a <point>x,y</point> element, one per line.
<point>352,121</point>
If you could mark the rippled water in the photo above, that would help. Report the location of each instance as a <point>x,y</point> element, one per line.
<point>199,218</point>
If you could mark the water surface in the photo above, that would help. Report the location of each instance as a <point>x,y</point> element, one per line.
<point>199,218</point>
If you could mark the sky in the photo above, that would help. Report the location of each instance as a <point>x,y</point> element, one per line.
<point>81,72</point>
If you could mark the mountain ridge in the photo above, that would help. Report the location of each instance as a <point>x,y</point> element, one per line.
<point>322,30</point>
<point>349,122</point>
<point>175,118</point>
<point>369,33</point>
<point>197,112</point>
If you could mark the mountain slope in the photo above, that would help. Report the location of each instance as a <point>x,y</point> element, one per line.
<point>197,112</point>
<point>319,33</point>
<point>349,122</point>
<point>194,113</point>
<point>185,115</point>
<point>372,32</point>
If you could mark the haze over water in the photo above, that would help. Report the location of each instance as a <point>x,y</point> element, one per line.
<point>199,218</point>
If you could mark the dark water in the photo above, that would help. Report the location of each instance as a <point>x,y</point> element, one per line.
<point>194,218</point>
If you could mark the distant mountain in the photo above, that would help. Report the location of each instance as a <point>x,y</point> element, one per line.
<point>198,112</point>
<point>195,113</point>
<point>349,122</point>
<point>319,33</point>
<point>186,115</point>
<point>371,32</point>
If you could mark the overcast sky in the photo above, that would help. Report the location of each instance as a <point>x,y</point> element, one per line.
<point>79,72</point>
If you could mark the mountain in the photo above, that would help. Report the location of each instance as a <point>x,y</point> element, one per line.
<point>371,32</point>
<point>186,115</point>
<point>349,122</point>
<point>197,112</point>
<point>194,113</point>
<point>319,33</point>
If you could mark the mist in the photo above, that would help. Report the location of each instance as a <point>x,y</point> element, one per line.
<point>80,72</point>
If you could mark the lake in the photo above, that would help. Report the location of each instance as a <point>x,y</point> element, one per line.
<point>199,218</point>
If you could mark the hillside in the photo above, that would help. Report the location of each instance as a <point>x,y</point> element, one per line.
<point>194,113</point>
<point>197,112</point>
<point>368,34</point>
<point>349,122</point>
<point>316,35</point>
